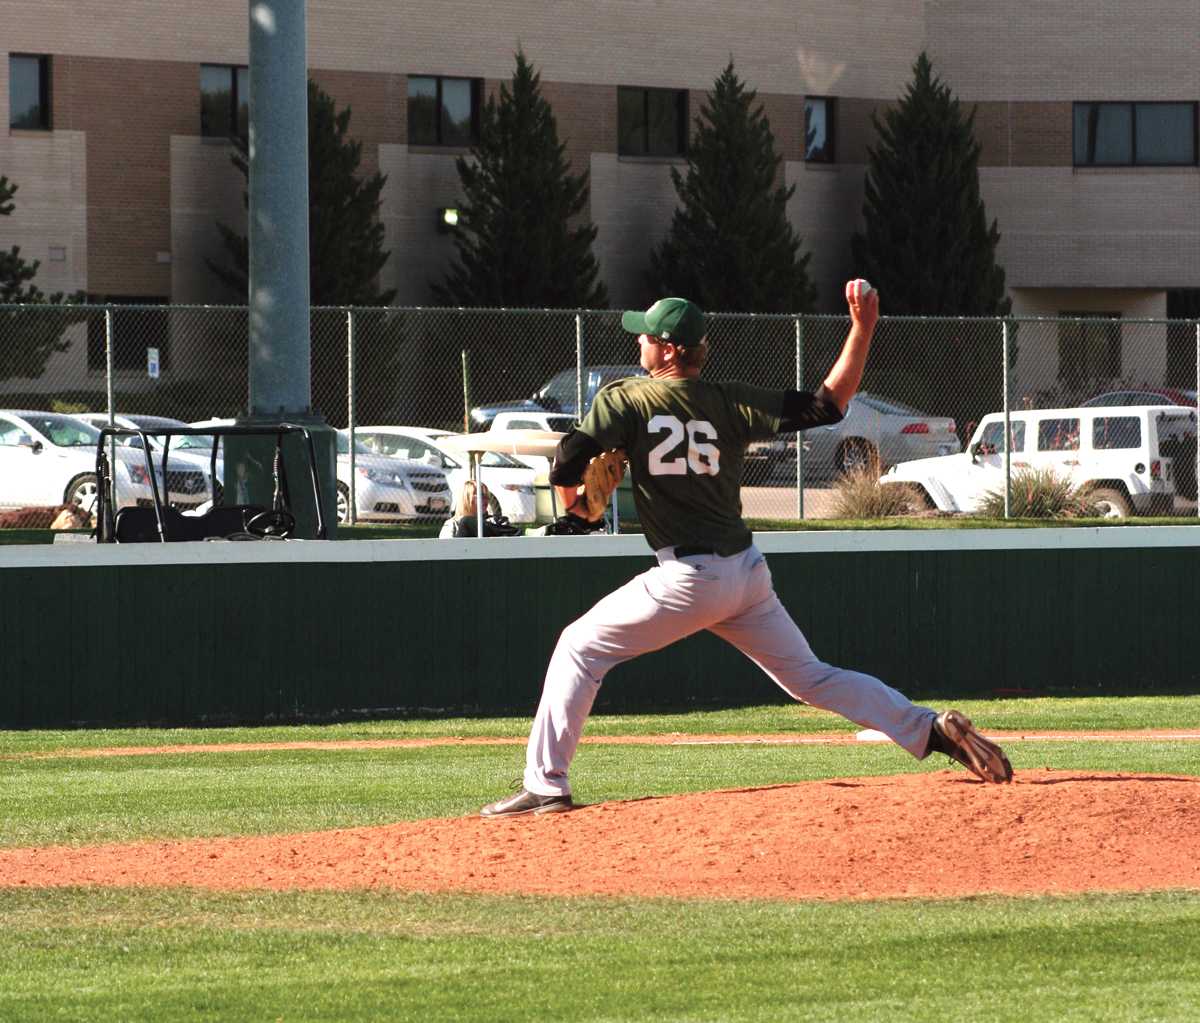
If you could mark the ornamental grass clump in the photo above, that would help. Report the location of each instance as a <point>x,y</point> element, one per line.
<point>1039,494</point>
<point>858,494</point>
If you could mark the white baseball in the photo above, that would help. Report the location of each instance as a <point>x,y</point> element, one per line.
<point>860,289</point>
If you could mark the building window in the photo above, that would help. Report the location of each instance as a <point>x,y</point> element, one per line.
<point>443,111</point>
<point>1135,134</point>
<point>224,101</point>
<point>133,330</point>
<point>818,129</point>
<point>28,92</point>
<point>1089,349</point>
<point>652,122</point>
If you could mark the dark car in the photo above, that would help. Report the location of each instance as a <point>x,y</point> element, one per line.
<point>1143,396</point>
<point>557,394</point>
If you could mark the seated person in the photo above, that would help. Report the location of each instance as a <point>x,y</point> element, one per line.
<point>463,520</point>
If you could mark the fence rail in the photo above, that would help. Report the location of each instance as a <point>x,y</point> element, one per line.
<point>928,383</point>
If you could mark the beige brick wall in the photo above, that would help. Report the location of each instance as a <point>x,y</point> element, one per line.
<point>129,109</point>
<point>133,90</point>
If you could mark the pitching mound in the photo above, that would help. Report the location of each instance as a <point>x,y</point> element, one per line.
<point>942,834</point>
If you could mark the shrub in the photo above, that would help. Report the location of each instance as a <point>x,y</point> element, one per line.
<point>1039,494</point>
<point>858,494</point>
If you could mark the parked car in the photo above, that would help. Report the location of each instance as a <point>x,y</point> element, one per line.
<point>533,420</point>
<point>1125,455</point>
<point>387,489</point>
<point>50,458</point>
<point>186,452</point>
<point>1143,396</point>
<point>558,394</point>
<point>875,432</point>
<point>509,480</point>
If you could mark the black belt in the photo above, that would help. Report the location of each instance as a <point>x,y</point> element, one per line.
<point>688,552</point>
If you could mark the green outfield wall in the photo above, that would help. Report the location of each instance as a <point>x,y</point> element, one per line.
<point>211,632</point>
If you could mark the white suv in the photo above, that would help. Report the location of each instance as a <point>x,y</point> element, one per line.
<point>1124,455</point>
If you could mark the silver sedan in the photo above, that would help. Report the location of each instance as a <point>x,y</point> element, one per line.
<point>875,433</point>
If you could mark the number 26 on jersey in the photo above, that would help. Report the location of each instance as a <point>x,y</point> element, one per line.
<point>667,457</point>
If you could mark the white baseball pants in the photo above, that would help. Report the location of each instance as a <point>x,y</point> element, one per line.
<point>732,597</point>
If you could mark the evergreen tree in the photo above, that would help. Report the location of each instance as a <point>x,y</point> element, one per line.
<point>28,337</point>
<point>521,238</point>
<point>928,246</point>
<point>345,243</point>
<point>731,247</point>
<point>929,249</point>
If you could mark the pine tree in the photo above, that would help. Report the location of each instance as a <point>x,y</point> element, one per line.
<point>345,243</point>
<point>731,247</point>
<point>927,246</point>
<point>28,337</point>
<point>521,238</point>
<point>930,251</point>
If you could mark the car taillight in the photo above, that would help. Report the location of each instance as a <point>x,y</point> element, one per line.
<point>916,428</point>
<point>1156,470</point>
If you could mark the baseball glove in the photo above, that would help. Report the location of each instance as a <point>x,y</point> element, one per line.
<point>601,476</point>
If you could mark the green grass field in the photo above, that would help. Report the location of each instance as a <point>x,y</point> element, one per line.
<point>99,954</point>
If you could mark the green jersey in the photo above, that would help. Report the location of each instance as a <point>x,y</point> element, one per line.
<point>686,441</point>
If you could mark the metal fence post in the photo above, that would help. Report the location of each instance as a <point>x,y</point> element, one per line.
<point>579,371</point>
<point>466,381</point>
<point>108,363</point>
<point>352,501</point>
<point>1196,467</point>
<point>799,439</point>
<point>110,389</point>
<point>1007,425</point>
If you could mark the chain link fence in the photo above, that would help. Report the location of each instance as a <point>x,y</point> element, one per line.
<point>929,385</point>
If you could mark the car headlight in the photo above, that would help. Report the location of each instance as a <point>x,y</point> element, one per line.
<point>518,488</point>
<point>383,477</point>
<point>138,474</point>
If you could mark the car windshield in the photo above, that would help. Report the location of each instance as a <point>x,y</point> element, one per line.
<point>559,388</point>
<point>65,431</point>
<point>343,445</point>
<point>491,459</point>
<point>158,426</point>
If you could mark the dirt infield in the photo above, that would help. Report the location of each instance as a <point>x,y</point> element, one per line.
<point>941,834</point>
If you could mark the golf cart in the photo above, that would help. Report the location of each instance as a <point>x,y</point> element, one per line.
<point>213,520</point>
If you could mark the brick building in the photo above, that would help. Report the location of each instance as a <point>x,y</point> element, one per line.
<point>1086,114</point>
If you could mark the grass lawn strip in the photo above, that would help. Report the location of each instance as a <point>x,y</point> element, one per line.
<point>1090,714</point>
<point>69,801</point>
<point>185,956</point>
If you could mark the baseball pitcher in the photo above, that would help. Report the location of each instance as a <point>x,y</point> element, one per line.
<point>685,440</point>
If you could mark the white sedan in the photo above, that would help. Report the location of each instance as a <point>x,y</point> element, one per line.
<point>510,480</point>
<point>185,453</point>
<point>48,458</point>
<point>388,488</point>
<point>385,489</point>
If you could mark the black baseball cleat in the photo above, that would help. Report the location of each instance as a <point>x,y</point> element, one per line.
<point>526,802</point>
<point>954,735</point>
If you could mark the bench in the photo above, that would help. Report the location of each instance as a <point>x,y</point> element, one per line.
<point>140,525</point>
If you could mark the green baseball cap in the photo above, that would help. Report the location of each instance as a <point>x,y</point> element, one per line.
<point>673,319</point>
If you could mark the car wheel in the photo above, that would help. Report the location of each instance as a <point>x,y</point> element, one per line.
<point>1110,503</point>
<point>83,491</point>
<point>343,502</point>
<point>857,455</point>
